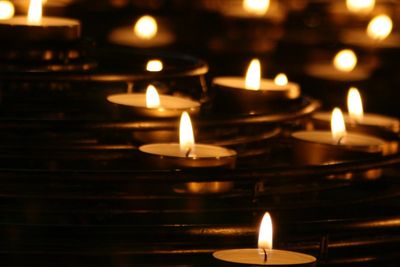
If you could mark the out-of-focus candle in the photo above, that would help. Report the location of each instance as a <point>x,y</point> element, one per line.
<point>147,31</point>
<point>343,67</point>
<point>35,27</point>
<point>265,255</point>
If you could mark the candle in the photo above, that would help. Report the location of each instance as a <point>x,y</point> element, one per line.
<point>251,93</point>
<point>151,104</point>
<point>374,124</point>
<point>265,255</point>
<point>35,28</point>
<point>324,147</point>
<point>377,34</point>
<point>145,33</point>
<point>344,67</point>
<point>188,154</point>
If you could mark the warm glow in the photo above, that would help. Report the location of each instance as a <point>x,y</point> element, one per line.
<point>6,10</point>
<point>186,136</point>
<point>152,97</point>
<point>345,60</point>
<point>281,79</point>
<point>360,6</point>
<point>380,27</point>
<point>265,233</point>
<point>146,27</point>
<point>154,65</point>
<point>338,126</point>
<point>354,105</point>
<point>256,7</point>
<point>253,75</point>
<point>35,12</point>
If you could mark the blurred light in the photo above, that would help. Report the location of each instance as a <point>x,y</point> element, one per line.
<point>345,60</point>
<point>6,10</point>
<point>380,27</point>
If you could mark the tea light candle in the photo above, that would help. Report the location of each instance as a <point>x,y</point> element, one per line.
<point>378,34</point>
<point>35,28</point>
<point>357,118</point>
<point>265,255</point>
<point>252,92</point>
<point>152,104</point>
<point>188,154</point>
<point>145,33</point>
<point>344,67</point>
<point>325,147</point>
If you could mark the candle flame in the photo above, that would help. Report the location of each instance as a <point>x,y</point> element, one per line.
<point>338,126</point>
<point>354,104</point>
<point>345,60</point>
<point>154,65</point>
<point>7,10</point>
<point>35,12</point>
<point>146,27</point>
<point>186,136</point>
<point>152,97</point>
<point>360,6</point>
<point>256,7</point>
<point>253,75</point>
<point>265,234</point>
<point>281,79</point>
<point>380,27</point>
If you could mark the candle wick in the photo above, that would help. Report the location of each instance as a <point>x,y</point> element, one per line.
<point>340,140</point>
<point>188,152</point>
<point>265,255</point>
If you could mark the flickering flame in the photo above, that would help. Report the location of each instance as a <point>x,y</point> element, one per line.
<point>338,126</point>
<point>380,27</point>
<point>146,27</point>
<point>256,7</point>
<point>354,104</point>
<point>281,79</point>
<point>154,65</point>
<point>360,6</point>
<point>35,12</point>
<point>265,233</point>
<point>253,75</point>
<point>345,60</point>
<point>6,10</point>
<point>152,97</point>
<point>186,136</point>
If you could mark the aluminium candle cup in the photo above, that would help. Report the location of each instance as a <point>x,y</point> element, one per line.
<point>384,127</point>
<point>255,257</point>
<point>169,156</point>
<point>230,94</point>
<point>318,148</point>
<point>51,29</point>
